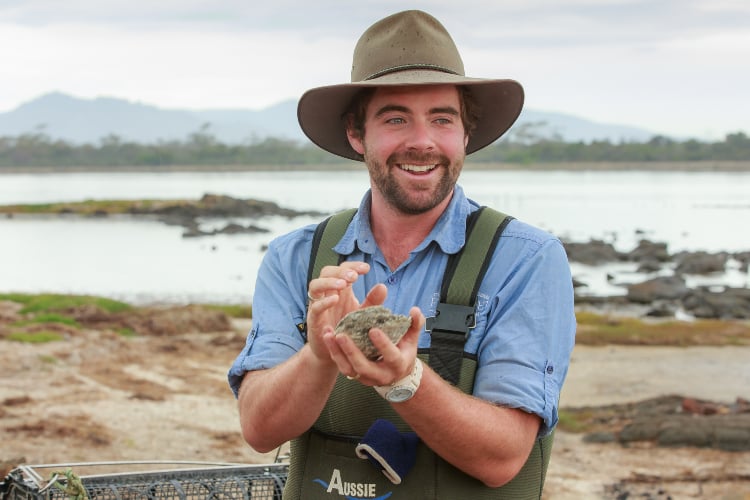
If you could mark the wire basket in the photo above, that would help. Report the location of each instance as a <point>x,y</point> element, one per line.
<point>217,482</point>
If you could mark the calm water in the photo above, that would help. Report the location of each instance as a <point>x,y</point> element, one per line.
<point>145,261</point>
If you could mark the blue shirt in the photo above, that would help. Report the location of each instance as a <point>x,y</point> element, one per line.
<point>525,326</point>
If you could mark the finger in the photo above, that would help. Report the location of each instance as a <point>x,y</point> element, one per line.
<point>338,351</point>
<point>417,325</point>
<point>349,270</point>
<point>376,296</point>
<point>321,287</point>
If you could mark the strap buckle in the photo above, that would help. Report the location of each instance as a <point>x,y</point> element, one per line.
<point>452,318</point>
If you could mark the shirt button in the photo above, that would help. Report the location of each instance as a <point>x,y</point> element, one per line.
<point>550,369</point>
<point>392,279</point>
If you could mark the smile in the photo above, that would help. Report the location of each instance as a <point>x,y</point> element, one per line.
<point>417,168</point>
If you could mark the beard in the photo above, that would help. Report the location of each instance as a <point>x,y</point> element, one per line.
<point>429,195</point>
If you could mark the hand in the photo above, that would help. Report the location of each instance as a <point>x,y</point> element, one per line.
<point>396,361</point>
<point>331,298</point>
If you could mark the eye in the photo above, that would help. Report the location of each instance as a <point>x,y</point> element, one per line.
<point>396,120</point>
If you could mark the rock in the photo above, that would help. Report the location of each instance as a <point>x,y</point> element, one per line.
<point>157,321</point>
<point>676,433</point>
<point>744,259</point>
<point>649,251</point>
<point>648,265</point>
<point>701,262</point>
<point>593,253</point>
<point>670,421</point>
<point>660,288</point>
<point>731,303</point>
<point>662,309</point>
<point>357,325</point>
<point>600,437</point>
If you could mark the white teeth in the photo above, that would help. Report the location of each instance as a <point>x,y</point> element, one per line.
<point>418,168</point>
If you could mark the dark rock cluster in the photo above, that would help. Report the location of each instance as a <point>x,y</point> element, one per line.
<point>666,294</point>
<point>671,421</point>
<point>214,206</point>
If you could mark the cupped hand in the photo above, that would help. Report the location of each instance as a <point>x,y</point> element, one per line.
<point>395,362</point>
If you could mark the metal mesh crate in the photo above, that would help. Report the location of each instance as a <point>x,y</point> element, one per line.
<point>224,482</point>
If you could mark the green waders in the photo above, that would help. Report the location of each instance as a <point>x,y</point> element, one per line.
<point>323,462</point>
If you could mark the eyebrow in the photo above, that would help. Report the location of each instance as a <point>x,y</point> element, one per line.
<point>448,110</point>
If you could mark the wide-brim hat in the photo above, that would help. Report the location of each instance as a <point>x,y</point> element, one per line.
<point>407,48</point>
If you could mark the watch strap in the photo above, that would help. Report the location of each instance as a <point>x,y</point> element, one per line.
<point>411,381</point>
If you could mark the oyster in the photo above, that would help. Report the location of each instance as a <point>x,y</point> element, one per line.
<point>357,325</point>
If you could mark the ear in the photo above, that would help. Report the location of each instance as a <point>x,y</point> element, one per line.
<point>355,141</point>
<point>466,141</point>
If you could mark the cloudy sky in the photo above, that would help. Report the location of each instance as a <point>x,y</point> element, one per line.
<point>678,67</point>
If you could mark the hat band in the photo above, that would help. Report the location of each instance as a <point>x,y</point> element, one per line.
<point>404,67</point>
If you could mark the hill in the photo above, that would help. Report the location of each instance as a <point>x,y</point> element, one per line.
<point>87,121</point>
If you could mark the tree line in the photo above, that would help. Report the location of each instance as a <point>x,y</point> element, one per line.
<point>36,149</point>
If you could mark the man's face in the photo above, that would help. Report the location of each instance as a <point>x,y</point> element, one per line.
<point>414,145</point>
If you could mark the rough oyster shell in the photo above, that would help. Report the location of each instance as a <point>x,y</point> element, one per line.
<point>357,325</point>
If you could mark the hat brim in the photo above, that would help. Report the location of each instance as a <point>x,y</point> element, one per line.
<point>320,110</point>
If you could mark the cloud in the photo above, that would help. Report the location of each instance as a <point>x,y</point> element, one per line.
<point>671,65</point>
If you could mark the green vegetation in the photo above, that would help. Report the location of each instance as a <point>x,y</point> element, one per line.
<point>233,311</point>
<point>93,207</point>
<point>522,146</point>
<point>50,303</point>
<point>595,329</point>
<point>35,337</point>
<point>48,318</point>
<point>126,332</point>
<point>576,422</point>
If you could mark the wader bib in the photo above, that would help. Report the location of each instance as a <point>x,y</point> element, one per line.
<point>324,465</point>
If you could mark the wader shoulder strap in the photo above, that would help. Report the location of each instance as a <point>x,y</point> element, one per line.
<point>455,315</point>
<point>327,234</point>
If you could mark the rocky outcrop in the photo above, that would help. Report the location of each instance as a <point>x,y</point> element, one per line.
<point>670,421</point>
<point>214,206</point>
<point>156,321</point>
<point>666,294</point>
<point>729,303</point>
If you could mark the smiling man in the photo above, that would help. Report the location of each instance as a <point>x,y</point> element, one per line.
<point>465,404</point>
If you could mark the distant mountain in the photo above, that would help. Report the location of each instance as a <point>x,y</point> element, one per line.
<point>81,121</point>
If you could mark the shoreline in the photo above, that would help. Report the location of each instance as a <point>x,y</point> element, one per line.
<point>655,166</point>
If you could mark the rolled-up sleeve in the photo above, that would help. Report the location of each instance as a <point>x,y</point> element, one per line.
<point>528,331</point>
<point>278,307</point>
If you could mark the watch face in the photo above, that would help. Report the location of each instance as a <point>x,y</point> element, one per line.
<point>399,394</point>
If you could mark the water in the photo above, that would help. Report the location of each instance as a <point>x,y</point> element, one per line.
<point>146,261</point>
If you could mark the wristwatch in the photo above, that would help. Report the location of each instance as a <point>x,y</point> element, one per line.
<point>402,390</point>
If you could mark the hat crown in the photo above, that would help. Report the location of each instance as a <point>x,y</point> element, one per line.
<point>405,41</point>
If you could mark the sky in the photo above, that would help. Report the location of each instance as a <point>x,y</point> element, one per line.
<point>675,67</point>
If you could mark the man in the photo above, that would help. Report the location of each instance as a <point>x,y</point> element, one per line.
<point>411,115</point>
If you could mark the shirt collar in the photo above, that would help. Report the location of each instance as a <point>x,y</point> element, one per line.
<point>449,231</point>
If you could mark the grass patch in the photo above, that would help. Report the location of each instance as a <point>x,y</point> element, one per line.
<point>574,421</point>
<point>35,337</point>
<point>126,332</point>
<point>47,303</point>
<point>233,311</point>
<point>596,329</point>
<point>49,318</point>
<point>89,208</point>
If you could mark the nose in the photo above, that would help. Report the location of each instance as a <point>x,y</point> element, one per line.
<point>420,136</point>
